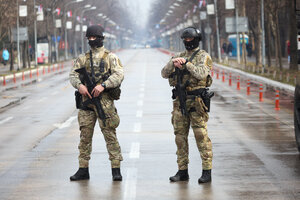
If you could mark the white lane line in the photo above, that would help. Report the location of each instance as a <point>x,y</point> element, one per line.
<point>26,107</point>
<point>6,120</point>
<point>42,99</point>
<point>130,184</point>
<point>134,150</point>
<point>66,124</point>
<point>137,127</point>
<point>54,93</point>
<point>142,95</point>
<point>139,113</point>
<point>140,103</point>
<point>142,89</point>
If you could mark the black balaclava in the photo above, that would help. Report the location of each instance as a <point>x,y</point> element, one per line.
<point>191,44</point>
<point>98,42</point>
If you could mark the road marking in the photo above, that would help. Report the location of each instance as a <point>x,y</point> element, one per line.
<point>134,150</point>
<point>66,124</point>
<point>137,127</point>
<point>130,184</point>
<point>42,99</point>
<point>26,108</point>
<point>6,120</point>
<point>140,103</point>
<point>139,113</point>
<point>142,89</point>
<point>54,93</point>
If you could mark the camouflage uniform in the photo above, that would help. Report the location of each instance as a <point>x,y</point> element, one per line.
<point>198,71</point>
<point>87,118</point>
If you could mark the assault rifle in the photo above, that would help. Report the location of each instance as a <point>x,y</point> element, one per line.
<point>90,86</point>
<point>180,91</point>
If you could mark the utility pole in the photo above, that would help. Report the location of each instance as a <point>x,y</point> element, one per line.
<point>263,37</point>
<point>18,35</point>
<point>218,34</point>
<point>55,37</point>
<point>237,33</point>
<point>35,34</point>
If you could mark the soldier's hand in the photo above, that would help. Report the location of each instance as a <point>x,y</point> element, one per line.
<point>97,90</point>
<point>178,65</point>
<point>84,91</point>
<point>179,60</point>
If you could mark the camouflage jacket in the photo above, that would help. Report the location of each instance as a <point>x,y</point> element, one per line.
<point>198,70</point>
<point>112,67</point>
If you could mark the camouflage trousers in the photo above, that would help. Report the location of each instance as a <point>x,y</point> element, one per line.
<point>197,119</point>
<point>87,120</point>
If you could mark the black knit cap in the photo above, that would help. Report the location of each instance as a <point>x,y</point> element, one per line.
<point>95,30</point>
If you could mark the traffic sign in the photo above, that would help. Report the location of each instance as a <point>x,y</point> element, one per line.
<point>231,27</point>
<point>23,34</point>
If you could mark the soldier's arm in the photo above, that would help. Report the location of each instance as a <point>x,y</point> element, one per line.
<point>74,76</point>
<point>200,71</point>
<point>117,72</point>
<point>169,68</point>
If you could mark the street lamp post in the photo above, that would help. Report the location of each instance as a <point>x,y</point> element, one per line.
<point>35,35</point>
<point>81,16</point>
<point>18,37</point>
<point>263,36</point>
<point>218,34</point>
<point>65,21</point>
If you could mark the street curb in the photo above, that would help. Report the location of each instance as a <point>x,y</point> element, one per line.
<point>268,82</point>
<point>263,80</point>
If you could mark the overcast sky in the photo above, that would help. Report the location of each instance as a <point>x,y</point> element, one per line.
<point>140,10</point>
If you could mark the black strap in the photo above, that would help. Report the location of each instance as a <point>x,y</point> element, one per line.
<point>92,66</point>
<point>193,56</point>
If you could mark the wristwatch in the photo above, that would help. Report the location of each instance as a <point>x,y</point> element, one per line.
<point>103,85</point>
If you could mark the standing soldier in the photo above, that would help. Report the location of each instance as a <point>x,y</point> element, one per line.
<point>106,73</point>
<point>188,72</point>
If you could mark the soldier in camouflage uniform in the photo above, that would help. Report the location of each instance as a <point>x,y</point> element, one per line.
<point>196,71</point>
<point>87,116</point>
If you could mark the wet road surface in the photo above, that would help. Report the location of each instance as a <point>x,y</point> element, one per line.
<point>255,154</point>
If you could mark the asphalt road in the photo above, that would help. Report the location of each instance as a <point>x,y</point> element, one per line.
<point>255,154</point>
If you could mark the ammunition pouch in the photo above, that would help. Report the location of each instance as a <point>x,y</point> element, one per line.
<point>114,93</point>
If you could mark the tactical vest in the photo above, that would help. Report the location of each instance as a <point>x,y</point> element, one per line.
<point>193,82</point>
<point>102,71</point>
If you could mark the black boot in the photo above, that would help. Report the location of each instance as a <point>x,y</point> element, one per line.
<point>206,176</point>
<point>81,174</point>
<point>116,174</point>
<point>181,175</point>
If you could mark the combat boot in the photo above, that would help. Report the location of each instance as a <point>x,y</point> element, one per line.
<point>181,175</point>
<point>206,176</point>
<point>81,174</point>
<point>116,174</point>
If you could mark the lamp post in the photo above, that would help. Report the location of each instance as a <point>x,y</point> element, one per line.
<point>218,34</point>
<point>65,20</point>
<point>82,12</point>
<point>263,37</point>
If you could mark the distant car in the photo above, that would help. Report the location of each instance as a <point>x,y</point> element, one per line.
<point>297,113</point>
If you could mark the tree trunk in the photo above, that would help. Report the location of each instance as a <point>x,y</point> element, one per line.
<point>278,41</point>
<point>244,51</point>
<point>293,37</point>
<point>269,42</point>
<point>24,54</point>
